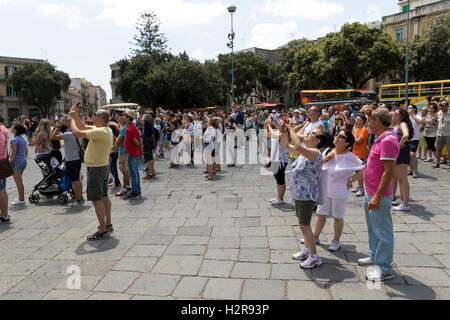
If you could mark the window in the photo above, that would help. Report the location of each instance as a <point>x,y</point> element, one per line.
<point>9,70</point>
<point>405,8</point>
<point>10,91</point>
<point>399,35</point>
<point>114,74</point>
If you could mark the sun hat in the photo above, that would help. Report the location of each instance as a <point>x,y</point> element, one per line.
<point>131,114</point>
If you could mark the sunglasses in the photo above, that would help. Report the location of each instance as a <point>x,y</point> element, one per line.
<point>342,136</point>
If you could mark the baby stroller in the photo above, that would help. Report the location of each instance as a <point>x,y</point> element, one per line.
<point>56,182</point>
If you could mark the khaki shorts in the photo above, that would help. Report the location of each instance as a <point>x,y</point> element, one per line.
<point>123,163</point>
<point>97,183</point>
<point>304,211</point>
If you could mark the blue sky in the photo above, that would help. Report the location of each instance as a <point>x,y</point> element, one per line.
<point>83,37</point>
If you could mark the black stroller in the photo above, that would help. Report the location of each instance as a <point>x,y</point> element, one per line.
<point>52,167</point>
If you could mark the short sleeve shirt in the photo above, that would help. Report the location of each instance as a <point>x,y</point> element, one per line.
<point>444,124</point>
<point>132,132</point>
<point>99,147</point>
<point>71,147</point>
<point>360,149</point>
<point>385,147</point>
<point>122,134</point>
<point>305,178</point>
<point>4,140</point>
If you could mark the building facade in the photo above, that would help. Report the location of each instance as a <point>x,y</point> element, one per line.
<point>11,106</point>
<point>115,70</point>
<point>422,14</point>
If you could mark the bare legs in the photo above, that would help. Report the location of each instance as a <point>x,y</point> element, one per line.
<point>19,184</point>
<point>103,211</point>
<point>401,179</point>
<point>320,224</point>
<point>4,204</point>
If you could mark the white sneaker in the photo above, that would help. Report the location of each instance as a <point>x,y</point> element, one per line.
<point>365,261</point>
<point>302,241</point>
<point>274,199</point>
<point>354,190</point>
<point>277,202</point>
<point>335,246</point>
<point>401,207</point>
<point>18,203</point>
<point>360,193</point>
<point>311,262</point>
<point>397,202</point>
<point>303,255</point>
<point>428,159</point>
<point>378,275</point>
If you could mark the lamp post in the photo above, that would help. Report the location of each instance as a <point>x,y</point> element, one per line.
<point>407,60</point>
<point>231,35</point>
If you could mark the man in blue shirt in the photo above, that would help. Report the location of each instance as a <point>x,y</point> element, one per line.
<point>123,162</point>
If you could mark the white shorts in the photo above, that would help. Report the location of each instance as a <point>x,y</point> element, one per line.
<point>333,207</point>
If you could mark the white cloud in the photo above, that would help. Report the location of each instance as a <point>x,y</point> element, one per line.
<point>172,13</point>
<point>374,13</point>
<point>71,14</point>
<point>16,2</point>
<point>302,9</point>
<point>200,55</point>
<point>323,31</point>
<point>273,35</point>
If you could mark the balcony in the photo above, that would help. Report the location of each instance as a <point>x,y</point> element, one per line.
<point>8,99</point>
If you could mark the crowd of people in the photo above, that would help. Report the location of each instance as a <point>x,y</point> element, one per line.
<point>316,153</point>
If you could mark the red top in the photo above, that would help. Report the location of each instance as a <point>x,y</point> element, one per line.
<point>132,132</point>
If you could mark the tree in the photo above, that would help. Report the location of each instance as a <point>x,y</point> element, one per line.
<point>350,57</point>
<point>430,53</point>
<point>247,69</point>
<point>306,73</point>
<point>287,57</point>
<point>39,84</point>
<point>149,39</point>
<point>357,54</point>
<point>271,83</point>
<point>177,83</point>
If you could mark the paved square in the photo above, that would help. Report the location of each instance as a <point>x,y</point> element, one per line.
<point>192,239</point>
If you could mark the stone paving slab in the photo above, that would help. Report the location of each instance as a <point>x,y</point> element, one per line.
<point>192,239</point>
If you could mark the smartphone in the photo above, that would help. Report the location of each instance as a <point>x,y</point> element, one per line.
<point>78,104</point>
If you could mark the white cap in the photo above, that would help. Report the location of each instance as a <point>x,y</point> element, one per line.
<point>296,111</point>
<point>274,111</point>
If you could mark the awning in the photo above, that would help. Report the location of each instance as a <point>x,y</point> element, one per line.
<point>120,106</point>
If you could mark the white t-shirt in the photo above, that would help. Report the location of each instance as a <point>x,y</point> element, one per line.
<point>416,127</point>
<point>210,135</point>
<point>338,171</point>
<point>311,126</point>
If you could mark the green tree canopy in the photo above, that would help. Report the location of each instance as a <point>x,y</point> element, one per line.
<point>149,39</point>
<point>39,84</point>
<point>247,68</point>
<point>177,83</point>
<point>430,53</point>
<point>352,56</point>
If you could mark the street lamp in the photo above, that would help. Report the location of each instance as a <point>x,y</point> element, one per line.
<point>407,60</point>
<point>231,35</point>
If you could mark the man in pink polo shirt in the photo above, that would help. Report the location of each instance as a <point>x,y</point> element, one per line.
<point>378,197</point>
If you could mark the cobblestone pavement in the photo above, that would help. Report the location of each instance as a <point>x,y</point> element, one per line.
<point>192,239</point>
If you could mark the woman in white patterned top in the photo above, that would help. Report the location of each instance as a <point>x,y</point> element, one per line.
<point>306,171</point>
<point>282,162</point>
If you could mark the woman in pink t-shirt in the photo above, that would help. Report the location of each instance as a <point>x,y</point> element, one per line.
<point>4,141</point>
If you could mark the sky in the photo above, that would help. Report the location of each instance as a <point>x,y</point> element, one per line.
<point>83,37</point>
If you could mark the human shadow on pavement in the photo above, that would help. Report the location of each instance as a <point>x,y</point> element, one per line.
<point>415,290</point>
<point>426,177</point>
<point>419,211</point>
<point>89,247</point>
<point>331,271</point>
<point>285,207</point>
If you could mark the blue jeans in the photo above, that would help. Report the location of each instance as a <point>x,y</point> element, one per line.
<point>133,170</point>
<point>113,164</point>
<point>381,232</point>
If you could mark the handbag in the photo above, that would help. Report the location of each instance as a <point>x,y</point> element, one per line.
<point>81,150</point>
<point>6,169</point>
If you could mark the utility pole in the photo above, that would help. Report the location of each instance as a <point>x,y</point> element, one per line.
<point>407,60</point>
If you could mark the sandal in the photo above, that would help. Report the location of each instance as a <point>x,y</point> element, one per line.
<point>436,166</point>
<point>98,236</point>
<point>110,228</point>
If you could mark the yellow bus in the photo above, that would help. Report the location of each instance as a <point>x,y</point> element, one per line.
<point>417,91</point>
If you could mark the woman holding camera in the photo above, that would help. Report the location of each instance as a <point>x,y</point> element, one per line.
<point>305,179</point>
